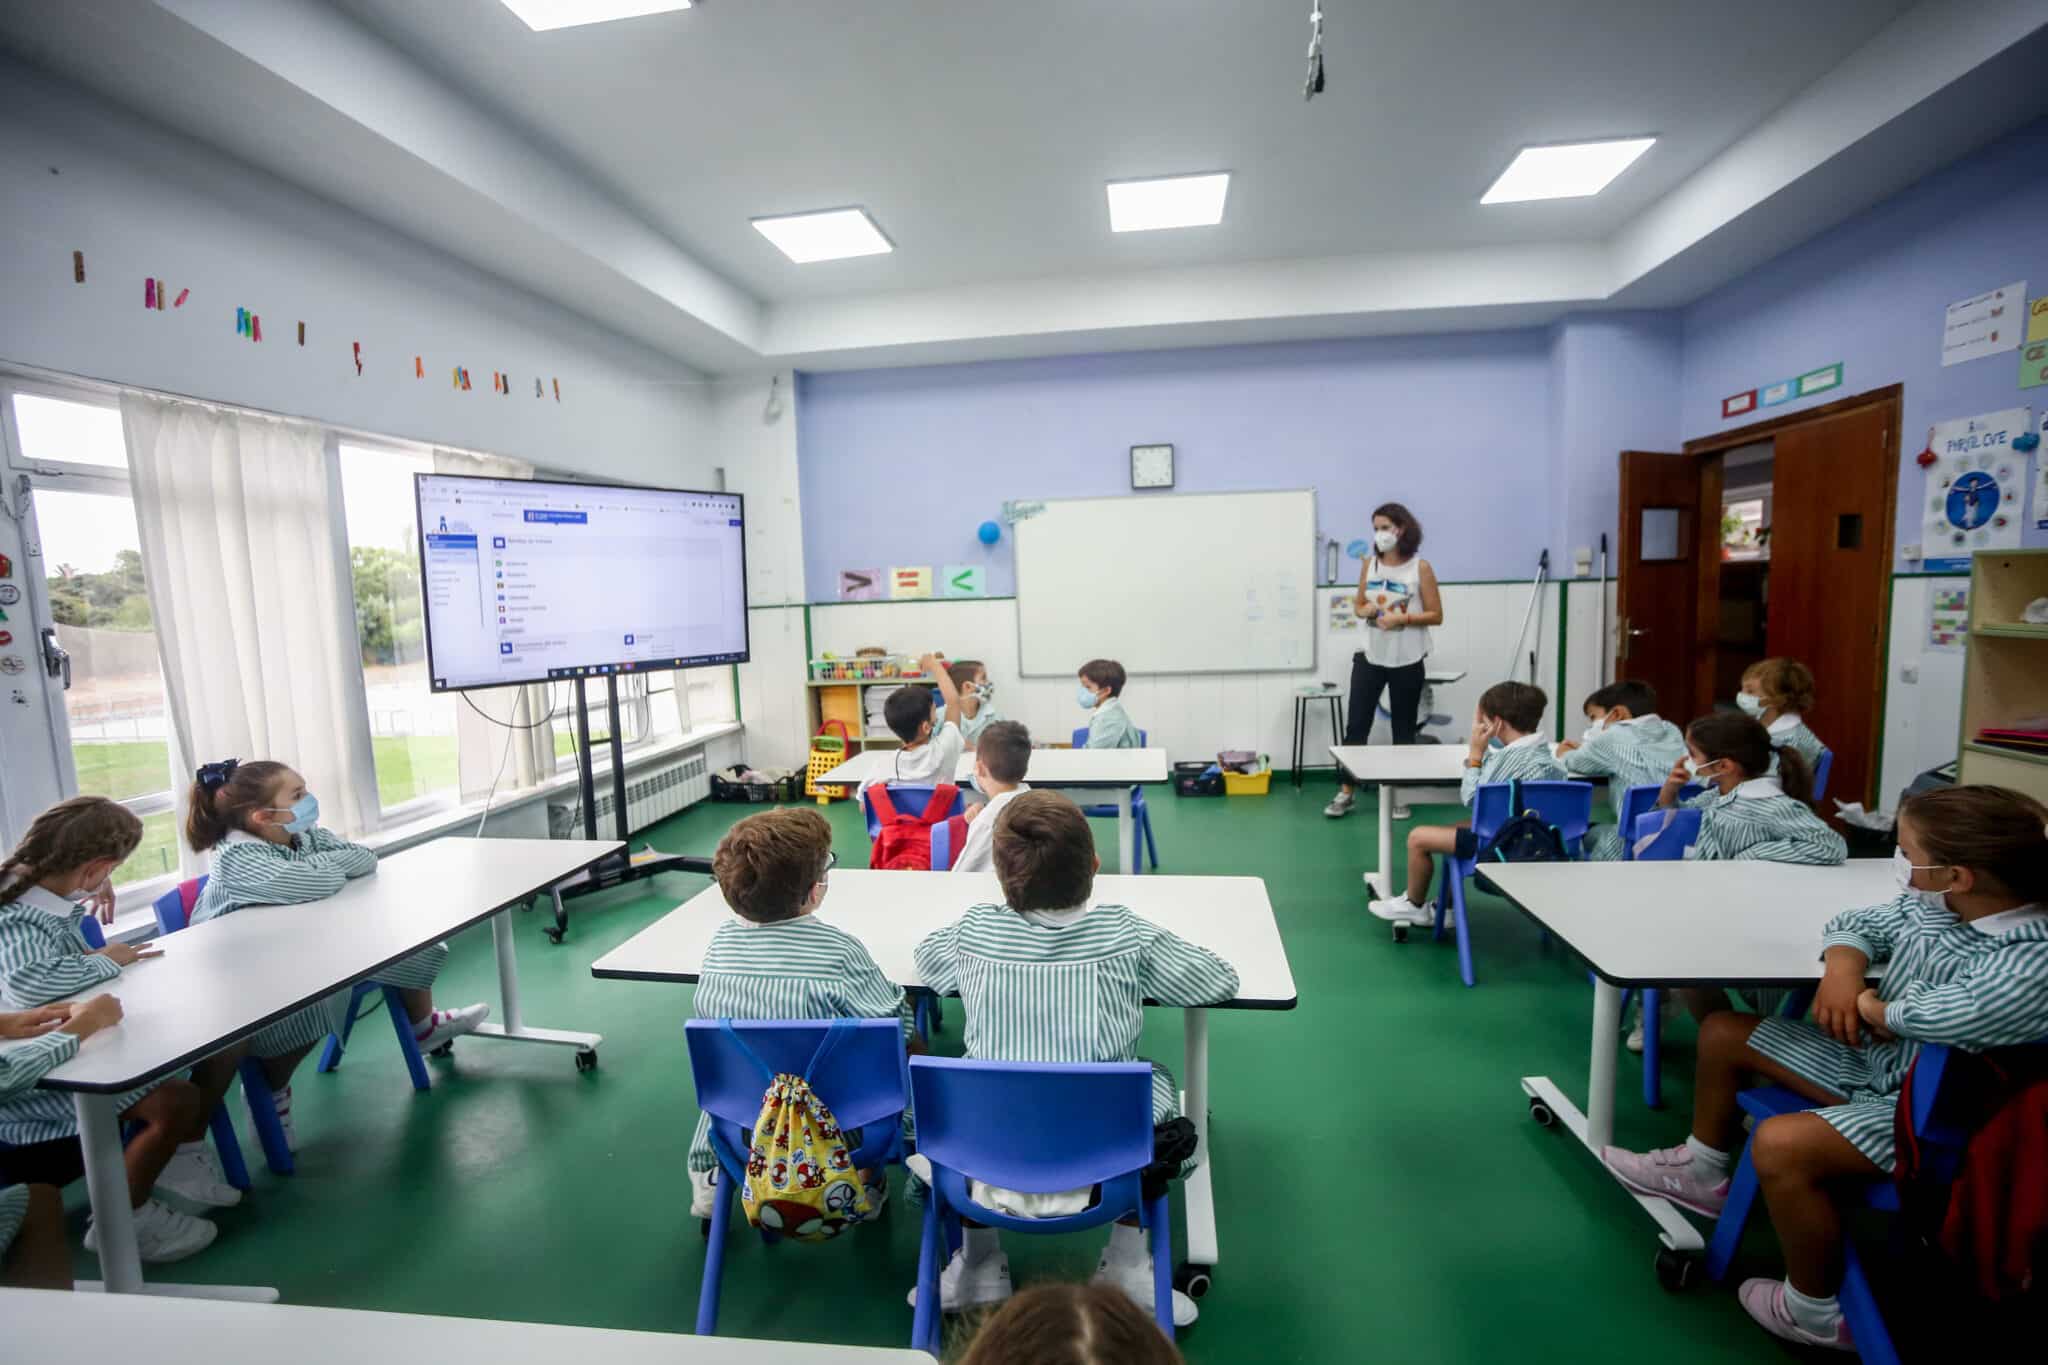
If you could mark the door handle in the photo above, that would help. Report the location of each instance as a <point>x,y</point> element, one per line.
<point>56,659</point>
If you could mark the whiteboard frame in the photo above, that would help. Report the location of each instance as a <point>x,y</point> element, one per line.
<point>1315,635</point>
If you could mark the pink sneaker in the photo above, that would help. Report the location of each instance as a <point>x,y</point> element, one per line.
<point>1765,1301</point>
<point>1670,1173</point>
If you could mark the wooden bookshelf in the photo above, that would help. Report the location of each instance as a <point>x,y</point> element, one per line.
<point>2005,672</point>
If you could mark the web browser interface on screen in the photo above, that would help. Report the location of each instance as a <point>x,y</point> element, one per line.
<point>526,581</point>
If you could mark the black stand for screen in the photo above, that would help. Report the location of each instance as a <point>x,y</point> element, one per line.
<point>622,867</point>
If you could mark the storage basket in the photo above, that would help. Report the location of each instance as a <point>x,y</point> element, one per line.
<point>1197,779</point>
<point>828,751</point>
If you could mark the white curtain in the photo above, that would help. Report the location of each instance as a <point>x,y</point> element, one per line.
<point>480,743</point>
<point>242,544</point>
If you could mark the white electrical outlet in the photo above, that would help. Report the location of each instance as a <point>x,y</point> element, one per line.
<point>1909,673</point>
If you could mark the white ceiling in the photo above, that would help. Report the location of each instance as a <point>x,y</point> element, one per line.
<point>615,167</point>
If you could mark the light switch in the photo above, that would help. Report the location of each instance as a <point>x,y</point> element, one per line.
<point>1909,673</point>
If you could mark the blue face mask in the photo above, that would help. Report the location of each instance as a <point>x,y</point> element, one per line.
<point>305,814</point>
<point>1084,696</point>
<point>1496,743</point>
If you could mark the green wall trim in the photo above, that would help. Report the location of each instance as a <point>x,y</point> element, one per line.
<point>1564,612</point>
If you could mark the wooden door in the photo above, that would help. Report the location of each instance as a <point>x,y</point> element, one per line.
<point>1657,593</point>
<point>1833,488</point>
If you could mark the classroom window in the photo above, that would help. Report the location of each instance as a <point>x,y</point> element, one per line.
<point>712,699</point>
<point>412,728</point>
<point>1743,534</point>
<point>1660,534</point>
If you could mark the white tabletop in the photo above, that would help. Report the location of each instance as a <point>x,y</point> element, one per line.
<point>1391,764</point>
<point>47,1325</point>
<point>1049,767</point>
<point>891,912</point>
<point>225,979</point>
<point>1694,923</point>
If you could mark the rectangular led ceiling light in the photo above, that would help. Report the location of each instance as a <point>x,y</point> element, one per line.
<point>542,15</point>
<point>827,235</point>
<point>1171,201</point>
<point>1569,171</point>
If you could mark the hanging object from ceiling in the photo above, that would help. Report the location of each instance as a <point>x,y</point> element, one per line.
<point>1313,86</point>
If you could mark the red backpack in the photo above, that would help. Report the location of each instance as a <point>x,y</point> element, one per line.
<point>903,842</point>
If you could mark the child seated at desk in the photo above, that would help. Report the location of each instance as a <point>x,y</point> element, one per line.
<point>930,753</point>
<point>1966,943</point>
<point>775,959</point>
<point>1047,976</point>
<point>976,709</point>
<point>1779,692</point>
<point>1504,747</point>
<point>69,851</point>
<point>1000,760</point>
<point>1626,742</point>
<point>270,849</point>
<point>1745,812</point>
<point>33,1254</point>
<point>1100,690</point>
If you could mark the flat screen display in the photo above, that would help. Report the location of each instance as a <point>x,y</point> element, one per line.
<point>529,581</point>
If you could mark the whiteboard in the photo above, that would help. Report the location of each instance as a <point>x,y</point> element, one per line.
<point>1167,583</point>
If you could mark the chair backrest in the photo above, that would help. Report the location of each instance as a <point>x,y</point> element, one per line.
<point>1034,1126</point>
<point>1821,768</point>
<point>1671,840</point>
<point>174,907</point>
<point>1081,738</point>
<point>1568,805</point>
<point>863,1078</point>
<point>1639,801</point>
<point>89,930</point>
<point>942,847</point>
<point>909,798</point>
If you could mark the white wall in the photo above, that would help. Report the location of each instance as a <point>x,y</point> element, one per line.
<point>82,175</point>
<point>751,429</point>
<point>772,703</point>
<point>1923,695</point>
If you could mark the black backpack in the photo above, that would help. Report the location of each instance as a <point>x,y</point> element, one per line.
<point>1525,838</point>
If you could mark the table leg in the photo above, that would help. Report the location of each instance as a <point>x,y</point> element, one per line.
<point>1125,862</point>
<point>512,1025</point>
<point>106,1182</point>
<point>1600,1075</point>
<point>1200,1194</point>
<point>1382,881</point>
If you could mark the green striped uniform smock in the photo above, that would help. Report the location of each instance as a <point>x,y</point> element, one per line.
<point>1111,727</point>
<point>1631,753</point>
<point>800,968</point>
<point>22,1064</point>
<point>1789,732</point>
<point>251,871</point>
<point>1973,985</point>
<point>1759,823</point>
<point>1527,759</point>
<point>1069,985</point>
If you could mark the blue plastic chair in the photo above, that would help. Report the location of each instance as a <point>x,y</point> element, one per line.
<point>1567,805</point>
<point>173,912</point>
<point>1824,765</point>
<point>912,799</point>
<point>1040,1127</point>
<point>1942,1140</point>
<point>1668,845</point>
<point>1141,816</point>
<point>1637,802</point>
<point>220,1124</point>
<point>857,1066</point>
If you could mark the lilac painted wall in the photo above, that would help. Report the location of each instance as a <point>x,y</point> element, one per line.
<point>901,466</point>
<point>1614,387</point>
<point>1871,293</point>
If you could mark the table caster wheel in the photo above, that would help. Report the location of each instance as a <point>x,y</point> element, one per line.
<point>446,1049</point>
<point>554,933</point>
<point>1193,1280</point>
<point>704,1228</point>
<point>1677,1270</point>
<point>586,1060</point>
<point>1400,933</point>
<point>1542,1113</point>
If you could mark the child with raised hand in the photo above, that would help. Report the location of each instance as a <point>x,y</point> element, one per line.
<point>1746,811</point>
<point>1100,690</point>
<point>931,750</point>
<point>1966,947</point>
<point>1628,743</point>
<point>269,849</point>
<point>775,959</point>
<point>1779,692</point>
<point>32,1250</point>
<point>976,709</point>
<point>1052,976</point>
<point>63,862</point>
<point>1504,747</point>
<point>1000,761</point>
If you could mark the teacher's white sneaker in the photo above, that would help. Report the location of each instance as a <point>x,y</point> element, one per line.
<point>1340,804</point>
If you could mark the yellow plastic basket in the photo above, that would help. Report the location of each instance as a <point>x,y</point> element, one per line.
<point>828,751</point>
<point>1248,784</point>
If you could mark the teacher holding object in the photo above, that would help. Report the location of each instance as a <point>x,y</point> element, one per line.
<point>1397,600</point>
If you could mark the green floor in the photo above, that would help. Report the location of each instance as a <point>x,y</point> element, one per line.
<point>1381,1188</point>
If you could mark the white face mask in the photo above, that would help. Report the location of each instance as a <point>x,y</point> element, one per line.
<point>1597,727</point>
<point>1385,541</point>
<point>1700,772</point>
<point>1749,703</point>
<point>1903,869</point>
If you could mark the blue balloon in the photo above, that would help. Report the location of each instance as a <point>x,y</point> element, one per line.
<point>990,533</point>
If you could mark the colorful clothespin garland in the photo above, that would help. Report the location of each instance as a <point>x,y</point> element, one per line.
<point>419,369</point>
<point>78,267</point>
<point>558,390</point>
<point>179,302</point>
<point>358,347</point>
<point>241,322</point>
<point>302,334</point>
<point>149,293</point>
<point>255,328</point>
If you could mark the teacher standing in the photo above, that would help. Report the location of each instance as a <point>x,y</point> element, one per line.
<point>1397,600</point>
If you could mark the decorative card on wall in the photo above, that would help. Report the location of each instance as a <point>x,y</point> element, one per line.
<point>860,585</point>
<point>1948,617</point>
<point>2034,364</point>
<point>907,583</point>
<point>1984,324</point>
<point>2041,480</point>
<point>964,580</point>
<point>1974,488</point>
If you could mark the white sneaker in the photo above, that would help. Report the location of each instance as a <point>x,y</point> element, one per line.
<point>1340,805</point>
<point>1135,1279</point>
<point>703,1193</point>
<point>1671,1173</point>
<point>960,1289</point>
<point>283,1098</point>
<point>194,1176</point>
<point>445,1026</point>
<point>162,1234</point>
<point>1634,1041</point>
<point>1401,910</point>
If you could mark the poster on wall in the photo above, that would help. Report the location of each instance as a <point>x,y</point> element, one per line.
<point>1984,324</point>
<point>1974,488</point>
<point>860,585</point>
<point>2034,365</point>
<point>2041,481</point>
<point>1948,617</point>
<point>1343,613</point>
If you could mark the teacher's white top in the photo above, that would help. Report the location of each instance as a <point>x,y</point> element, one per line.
<point>1693,923</point>
<point>1394,588</point>
<point>1049,767</point>
<point>892,912</point>
<point>222,980</point>
<point>1401,764</point>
